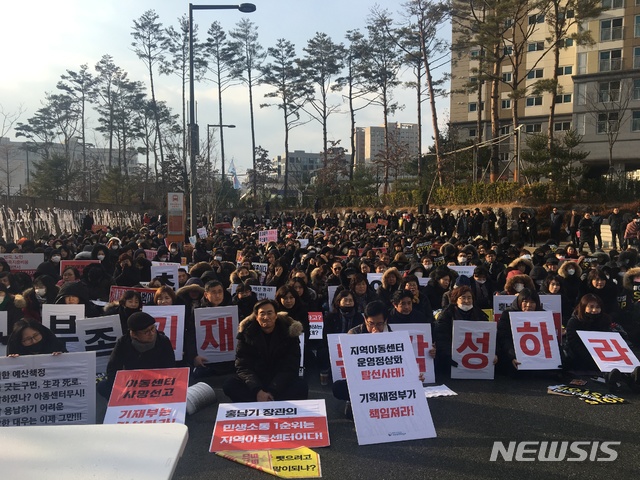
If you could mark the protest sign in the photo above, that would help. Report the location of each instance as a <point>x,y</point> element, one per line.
<point>225,227</point>
<point>535,341</point>
<point>167,273</point>
<point>473,349</point>
<point>79,265</point>
<point>48,389</point>
<point>301,366</point>
<point>263,292</point>
<point>150,254</point>
<point>266,236</point>
<point>304,242</point>
<point>23,262</point>
<point>375,280</point>
<point>609,351</point>
<point>382,222</point>
<point>216,331</point>
<point>587,396</point>
<point>335,355</point>
<point>420,336</point>
<point>466,270</point>
<point>331,290</point>
<point>99,334</point>
<point>170,320</point>
<point>149,396</point>
<point>269,425</point>
<point>4,326</point>
<point>500,304</point>
<point>422,248</point>
<point>202,232</point>
<point>371,226</point>
<point>147,294</point>
<point>386,394</point>
<point>290,463</point>
<point>61,320</point>
<point>553,304</point>
<point>316,323</point>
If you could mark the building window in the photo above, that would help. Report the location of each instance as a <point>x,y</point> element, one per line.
<point>581,97</point>
<point>534,101</point>
<point>533,128</point>
<point>533,19</point>
<point>609,91</point>
<point>505,130</point>
<point>508,22</point>
<point>565,70</point>
<point>563,98</point>
<point>508,50</point>
<point>636,57</point>
<point>568,42</point>
<point>506,104</point>
<point>636,89</point>
<point>637,29</point>
<point>611,29</point>
<point>506,77</point>
<point>535,47</point>
<point>537,73</point>
<point>610,60</point>
<point>473,80</point>
<point>473,106</point>
<point>472,132</point>
<point>609,4</point>
<point>582,63</point>
<point>561,126</point>
<point>607,122</point>
<point>474,53</point>
<point>635,121</point>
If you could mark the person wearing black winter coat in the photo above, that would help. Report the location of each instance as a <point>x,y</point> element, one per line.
<point>588,316</point>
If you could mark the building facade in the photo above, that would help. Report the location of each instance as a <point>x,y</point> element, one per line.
<point>370,141</point>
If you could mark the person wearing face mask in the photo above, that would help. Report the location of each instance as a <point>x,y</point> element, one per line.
<point>30,337</point>
<point>129,275</point>
<point>516,283</point>
<point>462,307</point>
<point>174,253</point>
<point>242,274</point>
<point>101,252</point>
<point>44,290</point>
<point>483,288</point>
<point>571,273</point>
<point>50,267</point>
<point>97,281</point>
<point>129,303</point>
<point>587,316</point>
<point>245,299</point>
<point>76,293</point>
<point>553,285</point>
<point>162,255</point>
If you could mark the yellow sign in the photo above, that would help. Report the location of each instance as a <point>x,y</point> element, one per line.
<point>294,463</point>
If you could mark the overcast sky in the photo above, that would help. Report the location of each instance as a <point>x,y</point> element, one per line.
<point>41,39</point>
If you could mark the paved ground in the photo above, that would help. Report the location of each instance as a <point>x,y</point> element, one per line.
<point>467,425</point>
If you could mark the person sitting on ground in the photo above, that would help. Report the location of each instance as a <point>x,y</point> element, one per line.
<point>30,337</point>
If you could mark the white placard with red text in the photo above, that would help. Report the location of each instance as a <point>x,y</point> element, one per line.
<point>553,304</point>
<point>421,341</point>
<point>149,396</point>
<point>270,426</point>
<point>23,262</point>
<point>535,341</point>
<point>316,323</point>
<point>61,320</point>
<point>266,236</point>
<point>473,349</point>
<point>609,351</point>
<point>216,331</point>
<point>500,304</point>
<point>99,334</point>
<point>170,320</point>
<point>335,356</point>
<point>386,393</point>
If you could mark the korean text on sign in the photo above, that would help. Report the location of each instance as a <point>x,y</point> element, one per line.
<point>216,331</point>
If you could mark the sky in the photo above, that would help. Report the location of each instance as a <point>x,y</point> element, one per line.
<point>42,39</point>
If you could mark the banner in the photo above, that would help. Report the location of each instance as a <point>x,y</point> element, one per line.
<point>387,396</point>
<point>266,236</point>
<point>77,264</point>
<point>216,331</point>
<point>99,335</point>
<point>421,341</point>
<point>609,351</point>
<point>23,262</point>
<point>170,321</point>
<point>316,323</point>
<point>147,294</point>
<point>290,463</point>
<point>148,396</point>
<point>335,355</point>
<point>535,341</point>
<point>48,390</point>
<point>61,320</point>
<point>175,217</point>
<point>500,304</point>
<point>473,349</point>
<point>167,274</point>
<point>270,425</point>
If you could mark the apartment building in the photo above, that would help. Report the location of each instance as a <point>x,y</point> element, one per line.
<point>370,141</point>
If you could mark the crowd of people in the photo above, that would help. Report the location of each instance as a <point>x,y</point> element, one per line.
<point>599,290</point>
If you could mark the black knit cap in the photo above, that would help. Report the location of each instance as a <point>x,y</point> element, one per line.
<point>139,321</point>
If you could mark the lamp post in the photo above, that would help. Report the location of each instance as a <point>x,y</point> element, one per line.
<point>193,127</point>
<point>221,145</point>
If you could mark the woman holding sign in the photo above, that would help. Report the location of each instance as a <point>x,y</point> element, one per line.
<point>32,338</point>
<point>589,315</point>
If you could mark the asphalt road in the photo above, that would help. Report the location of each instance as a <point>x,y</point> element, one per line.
<point>504,410</point>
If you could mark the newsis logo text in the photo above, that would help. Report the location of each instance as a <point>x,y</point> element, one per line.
<point>554,451</point>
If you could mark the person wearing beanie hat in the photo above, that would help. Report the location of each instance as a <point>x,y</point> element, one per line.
<point>142,347</point>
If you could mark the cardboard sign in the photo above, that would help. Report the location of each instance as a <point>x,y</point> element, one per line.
<point>77,264</point>
<point>553,304</point>
<point>99,335</point>
<point>386,394</point>
<point>316,323</point>
<point>473,349</point>
<point>149,396</point>
<point>609,351</point>
<point>266,236</point>
<point>202,232</point>
<point>466,270</point>
<point>147,294</point>
<point>216,331</point>
<point>263,292</point>
<point>268,425</point>
<point>23,262</point>
<point>61,320</point>
<point>535,341</point>
<point>335,356</point>
<point>500,304</point>
<point>168,274</point>
<point>48,390</point>
<point>421,341</point>
<point>170,320</point>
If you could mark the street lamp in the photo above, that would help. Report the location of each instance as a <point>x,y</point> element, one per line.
<point>193,127</point>
<point>221,145</point>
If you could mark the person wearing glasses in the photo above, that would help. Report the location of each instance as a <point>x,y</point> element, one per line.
<point>32,338</point>
<point>142,347</point>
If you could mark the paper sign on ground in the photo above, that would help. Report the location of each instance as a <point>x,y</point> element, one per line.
<point>269,425</point>
<point>316,323</point>
<point>535,341</point>
<point>609,351</point>
<point>61,320</point>
<point>420,335</point>
<point>386,394</point>
<point>170,320</point>
<point>149,396</point>
<point>473,349</point>
<point>292,463</point>
<point>216,331</point>
<point>438,391</point>
<point>99,335</point>
<point>48,390</point>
